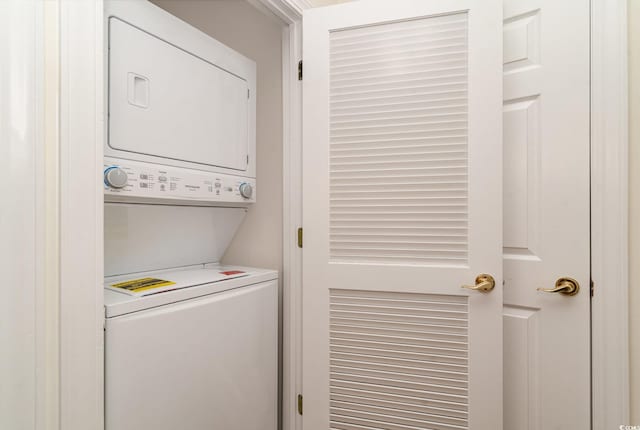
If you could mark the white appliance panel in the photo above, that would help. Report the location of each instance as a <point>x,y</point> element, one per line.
<point>155,181</point>
<point>140,237</point>
<point>205,363</point>
<point>166,102</point>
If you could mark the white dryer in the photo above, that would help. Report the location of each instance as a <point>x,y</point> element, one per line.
<point>200,354</point>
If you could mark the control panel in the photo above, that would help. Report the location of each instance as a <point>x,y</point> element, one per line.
<point>131,179</point>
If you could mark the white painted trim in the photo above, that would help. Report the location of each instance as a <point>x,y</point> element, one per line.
<point>24,370</point>
<point>289,12</point>
<point>50,392</point>
<point>292,219</point>
<point>81,204</point>
<point>609,214</point>
<point>300,5</point>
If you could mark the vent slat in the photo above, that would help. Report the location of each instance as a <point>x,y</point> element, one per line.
<point>397,127</point>
<point>403,406</point>
<point>357,155</point>
<point>374,322</point>
<point>398,109</point>
<point>413,234</point>
<point>433,104</point>
<point>390,113</point>
<point>427,368</point>
<point>383,150</point>
<point>408,98</point>
<point>398,115</point>
<point>400,301</point>
<point>421,87</point>
<point>416,40</point>
<point>403,397</point>
<point>407,309</point>
<point>397,381</point>
<point>401,391</point>
<point>456,379</point>
<point>367,79</point>
<point>428,58</point>
<point>388,30</point>
<point>404,417</point>
<point>458,355</point>
<point>449,386</point>
<point>398,359</point>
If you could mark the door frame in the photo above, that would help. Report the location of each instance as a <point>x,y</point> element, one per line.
<point>609,215</point>
<point>81,134</point>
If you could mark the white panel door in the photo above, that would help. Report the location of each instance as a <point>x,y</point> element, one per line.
<point>546,214</point>
<point>402,173</point>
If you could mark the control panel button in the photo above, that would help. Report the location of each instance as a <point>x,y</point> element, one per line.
<point>246,190</point>
<point>124,179</point>
<point>115,177</point>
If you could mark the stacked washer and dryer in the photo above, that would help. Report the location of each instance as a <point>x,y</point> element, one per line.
<point>190,344</point>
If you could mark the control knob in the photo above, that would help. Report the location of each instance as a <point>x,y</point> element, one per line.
<point>246,190</point>
<point>115,177</point>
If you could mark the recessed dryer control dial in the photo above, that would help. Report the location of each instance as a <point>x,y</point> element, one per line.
<point>115,177</point>
<point>246,190</point>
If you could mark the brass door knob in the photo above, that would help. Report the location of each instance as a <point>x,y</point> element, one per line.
<point>565,286</point>
<point>484,283</point>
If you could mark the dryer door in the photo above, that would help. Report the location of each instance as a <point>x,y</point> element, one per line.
<point>166,102</point>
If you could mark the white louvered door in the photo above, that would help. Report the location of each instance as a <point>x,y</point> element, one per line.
<point>402,181</point>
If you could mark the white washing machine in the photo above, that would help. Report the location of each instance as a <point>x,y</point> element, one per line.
<point>195,350</point>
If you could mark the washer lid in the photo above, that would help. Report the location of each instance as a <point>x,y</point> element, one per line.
<point>179,284</point>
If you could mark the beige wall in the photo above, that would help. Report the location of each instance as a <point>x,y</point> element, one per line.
<point>634,206</point>
<point>240,26</point>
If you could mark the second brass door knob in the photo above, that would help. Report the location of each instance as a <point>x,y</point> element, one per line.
<point>564,286</point>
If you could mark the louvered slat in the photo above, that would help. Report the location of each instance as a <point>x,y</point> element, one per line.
<point>398,360</point>
<point>398,142</point>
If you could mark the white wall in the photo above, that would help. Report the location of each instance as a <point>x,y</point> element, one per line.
<point>634,207</point>
<point>21,221</point>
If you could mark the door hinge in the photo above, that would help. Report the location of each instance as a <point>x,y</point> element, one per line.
<point>300,404</point>
<point>300,70</point>
<point>300,237</point>
<point>248,93</point>
<point>592,287</point>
